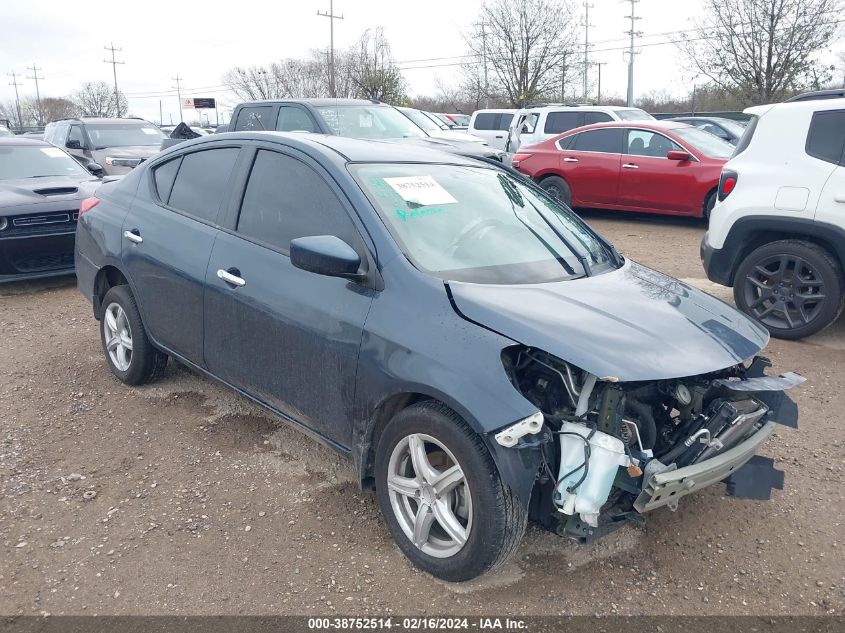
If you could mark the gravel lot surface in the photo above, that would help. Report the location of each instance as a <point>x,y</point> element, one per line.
<point>182,498</point>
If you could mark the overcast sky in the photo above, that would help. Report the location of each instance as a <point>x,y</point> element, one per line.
<point>198,42</point>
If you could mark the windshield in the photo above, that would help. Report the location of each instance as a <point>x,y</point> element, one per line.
<point>461,119</point>
<point>634,114</point>
<point>5,131</point>
<point>705,142</point>
<point>17,161</point>
<point>124,135</point>
<point>421,120</point>
<point>479,225</point>
<point>734,127</point>
<point>371,122</point>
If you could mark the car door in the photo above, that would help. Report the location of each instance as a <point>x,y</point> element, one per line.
<point>590,163</point>
<point>649,181</point>
<point>287,337</point>
<point>826,142</point>
<point>167,237</point>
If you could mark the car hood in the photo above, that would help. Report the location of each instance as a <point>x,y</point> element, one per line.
<point>17,194</point>
<point>131,151</point>
<point>460,137</point>
<point>462,147</point>
<point>631,324</point>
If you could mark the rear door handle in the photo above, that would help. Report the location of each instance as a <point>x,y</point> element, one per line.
<point>630,166</point>
<point>133,236</point>
<point>568,159</point>
<point>839,197</point>
<point>232,277</point>
<point>500,136</point>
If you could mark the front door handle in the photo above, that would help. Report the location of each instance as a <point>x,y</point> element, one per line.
<point>133,236</point>
<point>569,159</point>
<point>231,277</point>
<point>630,166</point>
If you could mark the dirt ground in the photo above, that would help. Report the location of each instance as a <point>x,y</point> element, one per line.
<point>182,498</point>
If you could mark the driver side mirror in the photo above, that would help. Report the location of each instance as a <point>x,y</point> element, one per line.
<point>95,168</point>
<point>73,144</point>
<point>679,155</point>
<point>326,255</point>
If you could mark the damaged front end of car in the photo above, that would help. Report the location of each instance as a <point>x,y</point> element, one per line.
<point>607,451</point>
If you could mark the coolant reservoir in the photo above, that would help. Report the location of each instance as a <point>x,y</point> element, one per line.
<point>607,453</point>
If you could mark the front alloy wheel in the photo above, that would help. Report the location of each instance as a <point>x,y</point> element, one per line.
<point>441,494</point>
<point>433,504</point>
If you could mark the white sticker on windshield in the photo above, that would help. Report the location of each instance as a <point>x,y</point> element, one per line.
<point>365,120</point>
<point>150,130</point>
<point>422,190</point>
<point>53,152</point>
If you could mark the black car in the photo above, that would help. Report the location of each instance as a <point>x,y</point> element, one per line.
<point>353,118</point>
<point>478,352</point>
<point>726,129</point>
<point>40,191</point>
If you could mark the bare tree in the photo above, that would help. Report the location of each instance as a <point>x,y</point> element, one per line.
<point>373,71</point>
<point>55,108</point>
<point>762,50</point>
<point>96,98</point>
<point>252,83</point>
<point>526,44</point>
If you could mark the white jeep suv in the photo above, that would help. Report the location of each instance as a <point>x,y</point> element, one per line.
<point>777,232</point>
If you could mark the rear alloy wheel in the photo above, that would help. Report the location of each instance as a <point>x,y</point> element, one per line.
<point>557,188</point>
<point>129,353</point>
<point>441,494</point>
<point>792,288</point>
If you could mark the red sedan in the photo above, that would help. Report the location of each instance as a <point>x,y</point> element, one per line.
<point>647,166</point>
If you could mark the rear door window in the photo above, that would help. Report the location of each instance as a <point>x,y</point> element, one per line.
<point>202,182</point>
<point>163,176</point>
<point>826,137</point>
<point>493,120</point>
<point>605,141</point>
<point>596,117</point>
<point>560,122</point>
<point>255,118</point>
<point>294,119</point>
<point>286,199</point>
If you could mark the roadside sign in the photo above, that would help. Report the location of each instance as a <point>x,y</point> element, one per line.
<point>199,103</point>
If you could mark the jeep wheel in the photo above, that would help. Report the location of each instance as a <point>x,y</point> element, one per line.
<point>791,287</point>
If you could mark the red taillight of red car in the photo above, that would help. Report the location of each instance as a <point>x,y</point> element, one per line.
<point>86,205</point>
<point>517,158</point>
<point>727,183</point>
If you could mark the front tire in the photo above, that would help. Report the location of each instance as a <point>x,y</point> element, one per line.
<point>127,349</point>
<point>441,494</point>
<point>792,288</point>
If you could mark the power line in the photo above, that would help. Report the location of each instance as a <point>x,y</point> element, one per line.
<point>332,17</point>
<point>15,83</point>
<point>114,64</point>
<point>35,76</point>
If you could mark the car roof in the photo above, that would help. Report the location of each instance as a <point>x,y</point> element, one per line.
<point>656,125</point>
<point>318,103</point>
<point>348,149</point>
<point>22,140</point>
<point>576,107</point>
<point>104,120</point>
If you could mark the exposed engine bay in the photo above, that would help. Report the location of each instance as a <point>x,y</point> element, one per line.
<point>613,450</point>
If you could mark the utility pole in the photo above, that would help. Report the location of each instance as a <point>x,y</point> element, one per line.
<point>484,52</point>
<point>35,76</point>
<point>332,17</point>
<point>15,83</point>
<point>160,113</point>
<point>114,64</point>
<point>563,77</point>
<point>631,52</point>
<point>587,7</point>
<point>599,64</point>
<point>178,87</point>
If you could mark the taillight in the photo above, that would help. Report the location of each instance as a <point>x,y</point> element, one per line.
<point>86,205</point>
<point>727,183</point>
<point>517,158</point>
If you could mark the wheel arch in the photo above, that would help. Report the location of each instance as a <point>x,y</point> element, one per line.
<point>710,192</point>
<point>106,278</point>
<point>752,232</point>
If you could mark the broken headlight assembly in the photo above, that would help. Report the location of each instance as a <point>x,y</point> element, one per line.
<point>622,449</point>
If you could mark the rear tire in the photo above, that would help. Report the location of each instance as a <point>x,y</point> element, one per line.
<point>127,349</point>
<point>557,188</point>
<point>484,521</point>
<point>709,203</point>
<point>793,288</point>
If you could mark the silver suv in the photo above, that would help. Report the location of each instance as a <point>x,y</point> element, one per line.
<point>116,145</point>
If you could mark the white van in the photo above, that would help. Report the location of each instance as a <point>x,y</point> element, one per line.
<point>492,126</point>
<point>537,123</point>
